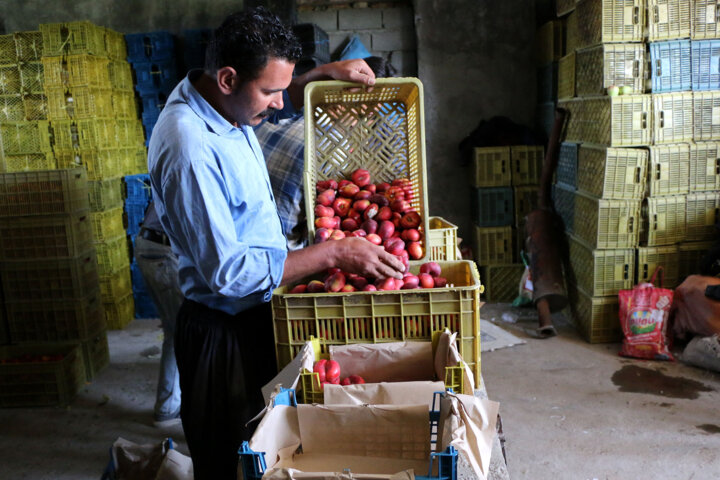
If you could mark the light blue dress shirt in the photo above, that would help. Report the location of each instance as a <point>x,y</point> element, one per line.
<point>213,196</point>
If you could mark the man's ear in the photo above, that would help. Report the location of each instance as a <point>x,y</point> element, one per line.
<point>226,79</point>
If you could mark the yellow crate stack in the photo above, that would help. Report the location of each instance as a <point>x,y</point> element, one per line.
<point>94,116</point>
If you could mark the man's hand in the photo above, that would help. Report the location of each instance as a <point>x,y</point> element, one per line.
<point>357,255</point>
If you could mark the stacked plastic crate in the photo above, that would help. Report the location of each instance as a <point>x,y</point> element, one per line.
<point>49,271</point>
<point>93,116</point>
<point>152,55</point>
<point>24,130</point>
<point>139,194</point>
<point>601,177</point>
<point>315,45</point>
<point>504,181</point>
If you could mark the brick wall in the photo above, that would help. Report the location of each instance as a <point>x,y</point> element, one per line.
<point>386,31</point>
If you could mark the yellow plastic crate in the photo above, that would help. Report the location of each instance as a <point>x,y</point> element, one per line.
<point>25,137</point>
<point>44,192</point>
<point>622,121</point>
<point>119,313</point>
<point>525,201</point>
<point>79,103</point>
<point>130,133</point>
<point>115,45</point>
<point>613,173</point>
<point>108,224</point>
<point>28,162</point>
<point>493,245</point>
<point>9,79</point>
<point>124,105</point>
<point>7,48</point>
<point>601,273</point>
<point>442,240</point>
<point>12,108</point>
<point>649,258</point>
<point>88,71</point>
<point>703,213</point>
<point>663,220</point>
<point>604,223</point>
<point>116,285</point>
<point>706,116</point>
<point>491,167</point>
<point>49,278</point>
<point>41,382</point>
<point>120,75</point>
<point>673,117</point>
<point>597,318</point>
<point>139,162</point>
<point>704,166</point>
<point>382,130</point>
<point>705,20</point>
<point>689,256</point>
<point>112,255</point>
<point>55,72</point>
<point>28,46</point>
<point>105,194</point>
<point>572,39</point>
<point>101,164</point>
<point>72,38</point>
<point>527,161</point>
<point>669,19</point>
<point>45,236</point>
<point>32,78</point>
<point>668,170</point>
<point>610,21</point>
<point>35,107</point>
<point>566,76</point>
<point>502,281</point>
<point>54,320</point>
<point>602,66</point>
<point>384,316</point>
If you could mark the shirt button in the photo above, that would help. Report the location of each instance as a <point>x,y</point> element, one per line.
<point>267,296</point>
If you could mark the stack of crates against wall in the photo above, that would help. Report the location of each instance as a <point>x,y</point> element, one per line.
<point>24,130</point>
<point>48,263</point>
<point>315,44</point>
<point>494,212</point>
<point>139,195</point>
<point>152,56</point>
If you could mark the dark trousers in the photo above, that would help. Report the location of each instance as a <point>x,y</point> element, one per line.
<point>223,362</point>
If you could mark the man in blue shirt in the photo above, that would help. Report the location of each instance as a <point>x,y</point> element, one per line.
<point>214,201</point>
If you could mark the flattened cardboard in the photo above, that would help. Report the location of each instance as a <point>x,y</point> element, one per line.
<point>404,393</point>
<point>386,362</point>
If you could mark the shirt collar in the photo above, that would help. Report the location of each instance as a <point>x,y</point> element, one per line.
<point>201,107</point>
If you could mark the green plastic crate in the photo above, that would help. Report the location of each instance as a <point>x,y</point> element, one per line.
<point>493,245</point>
<point>28,46</point>
<point>116,285</point>
<point>40,383</point>
<point>672,117</point>
<point>442,240</point>
<point>72,38</point>
<point>491,167</point>
<point>610,64</point>
<point>10,80</point>
<point>43,192</point>
<point>663,220</point>
<point>105,194</point>
<point>612,173</point>
<point>527,162</point>
<point>383,316</point>
<point>668,170</point>
<point>19,138</point>
<point>502,281</point>
<point>28,162</point>
<point>108,224</point>
<point>115,45</point>
<point>12,108</point>
<point>100,164</point>
<point>703,213</point>
<point>54,320</point>
<point>35,107</point>
<point>380,129</point>
<point>120,312</point>
<point>47,236</point>
<point>704,167</point>
<point>597,319</point>
<point>112,254</point>
<point>649,258</point>
<point>601,273</point>
<point>603,223</point>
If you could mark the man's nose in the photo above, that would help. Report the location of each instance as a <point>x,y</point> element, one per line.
<point>277,101</point>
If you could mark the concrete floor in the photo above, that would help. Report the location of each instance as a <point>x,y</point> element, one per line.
<point>570,410</point>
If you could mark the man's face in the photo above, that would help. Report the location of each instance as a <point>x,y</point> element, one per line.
<point>255,100</point>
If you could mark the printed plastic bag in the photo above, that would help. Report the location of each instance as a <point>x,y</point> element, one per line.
<point>644,312</point>
<point>525,288</point>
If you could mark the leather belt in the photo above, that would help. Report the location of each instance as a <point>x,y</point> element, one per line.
<point>154,236</point>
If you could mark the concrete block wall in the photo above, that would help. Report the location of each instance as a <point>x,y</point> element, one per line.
<point>386,32</point>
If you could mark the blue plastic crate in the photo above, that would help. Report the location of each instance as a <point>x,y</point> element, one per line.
<point>153,103</point>
<point>670,66</point>
<point>567,164</point>
<point>150,46</point>
<point>705,64</point>
<point>138,188</point>
<point>136,278</point>
<point>155,77</point>
<point>135,216</point>
<point>493,207</point>
<point>144,306</point>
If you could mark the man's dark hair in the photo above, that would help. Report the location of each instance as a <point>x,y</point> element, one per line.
<point>381,67</point>
<point>246,40</point>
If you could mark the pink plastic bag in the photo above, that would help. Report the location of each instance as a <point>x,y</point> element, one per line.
<point>644,313</point>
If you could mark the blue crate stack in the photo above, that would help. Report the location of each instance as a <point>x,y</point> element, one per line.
<point>152,56</point>
<point>139,195</point>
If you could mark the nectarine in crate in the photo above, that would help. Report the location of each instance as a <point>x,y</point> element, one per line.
<point>382,130</point>
<point>383,316</point>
